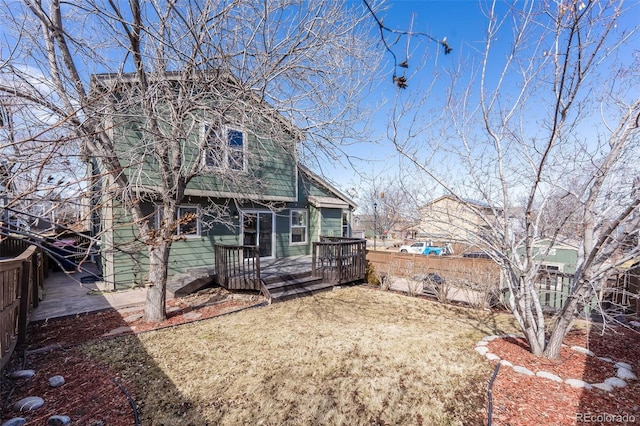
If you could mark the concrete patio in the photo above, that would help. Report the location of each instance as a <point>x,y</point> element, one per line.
<point>66,294</point>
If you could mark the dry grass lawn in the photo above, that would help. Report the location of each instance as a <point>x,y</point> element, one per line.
<point>354,356</point>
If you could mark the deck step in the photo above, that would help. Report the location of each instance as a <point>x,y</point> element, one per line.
<point>297,287</point>
<point>275,278</point>
<point>182,284</point>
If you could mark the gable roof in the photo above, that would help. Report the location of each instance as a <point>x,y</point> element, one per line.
<point>466,201</point>
<point>338,200</point>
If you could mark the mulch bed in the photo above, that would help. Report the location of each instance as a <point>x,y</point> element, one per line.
<point>526,400</point>
<point>94,395</point>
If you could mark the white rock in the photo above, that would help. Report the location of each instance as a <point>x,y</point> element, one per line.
<point>16,421</point>
<point>22,374</point>
<point>58,420</point>
<point>482,343</point>
<point>56,381</point>
<point>626,374</point>
<point>133,318</point>
<point>582,350</point>
<point>492,357</point>
<point>634,323</point>
<point>605,359</point>
<point>29,403</point>
<point>603,386</point>
<point>482,350</point>
<point>522,370</point>
<point>490,338</point>
<point>615,382</point>
<point>192,315</point>
<point>577,383</point>
<point>550,376</point>
<point>506,363</point>
<point>621,364</point>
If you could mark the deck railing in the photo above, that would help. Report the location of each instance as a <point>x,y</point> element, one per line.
<point>339,260</point>
<point>237,267</point>
<point>12,247</point>
<point>20,278</point>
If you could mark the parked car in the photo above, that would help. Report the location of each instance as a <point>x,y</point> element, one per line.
<point>426,247</point>
<point>478,255</point>
<point>438,250</point>
<point>416,248</point>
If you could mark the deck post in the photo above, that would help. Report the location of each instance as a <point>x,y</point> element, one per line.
<point>314,254</point>
<point>23,312</point>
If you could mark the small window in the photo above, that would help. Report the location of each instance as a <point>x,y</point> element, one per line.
<point>346,229</point>
<point>225,147</point>
<point>188,221</point>
<point>299,225</point>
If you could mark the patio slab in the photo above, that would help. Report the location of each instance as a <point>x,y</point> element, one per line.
<point>66,295</point>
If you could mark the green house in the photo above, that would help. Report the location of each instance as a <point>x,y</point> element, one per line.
<point>249,189</point>
<point>557,266</point>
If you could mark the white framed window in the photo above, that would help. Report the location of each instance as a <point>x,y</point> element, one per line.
<point>188,224</point>
<point>188,221</point>
<point>299,224</point>
<point>346,229</point>
<point>224,147</point>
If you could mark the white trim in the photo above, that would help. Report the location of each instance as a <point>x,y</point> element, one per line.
<point>305,227</point>
<point>328,202</point>
<point>188,206</point>
<point>218,194</point>
<point>224,162</point>
<point>257,212</point>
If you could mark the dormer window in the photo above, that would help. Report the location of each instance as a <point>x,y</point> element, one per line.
<point>225,148</point>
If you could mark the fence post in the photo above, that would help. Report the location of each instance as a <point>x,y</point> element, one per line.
<point>38,276</point>
<point>23,312</point>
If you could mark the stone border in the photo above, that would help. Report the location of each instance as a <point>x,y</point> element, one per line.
<point>624,370</point>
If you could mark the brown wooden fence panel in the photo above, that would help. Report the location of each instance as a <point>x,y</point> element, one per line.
<point>19,281</point>
<point>453,267</point>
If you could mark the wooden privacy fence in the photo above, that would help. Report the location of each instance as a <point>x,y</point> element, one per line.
<point>449,267</point>
<point>620,293</point>
<point>20,278</point>
<point>339,260</point>
<point>237,267</point>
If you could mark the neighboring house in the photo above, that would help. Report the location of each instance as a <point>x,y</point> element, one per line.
<point>451,219</point>
<point>282,213</point>
<point>562,257</point>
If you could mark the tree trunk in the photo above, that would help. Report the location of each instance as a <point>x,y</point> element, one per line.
<point>155,305</point>
<point>562,327</point>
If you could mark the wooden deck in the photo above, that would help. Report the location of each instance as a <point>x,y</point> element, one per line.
<point>334,261</point>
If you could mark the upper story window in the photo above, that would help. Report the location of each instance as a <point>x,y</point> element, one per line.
<point>225,147</point>
<point>299,224</point>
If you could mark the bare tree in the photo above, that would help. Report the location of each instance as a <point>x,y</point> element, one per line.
<point>391,205</point>
<point>300,66</point>
<point>520,127</point>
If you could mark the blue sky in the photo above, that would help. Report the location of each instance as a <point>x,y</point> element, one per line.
<point>461,22</point>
